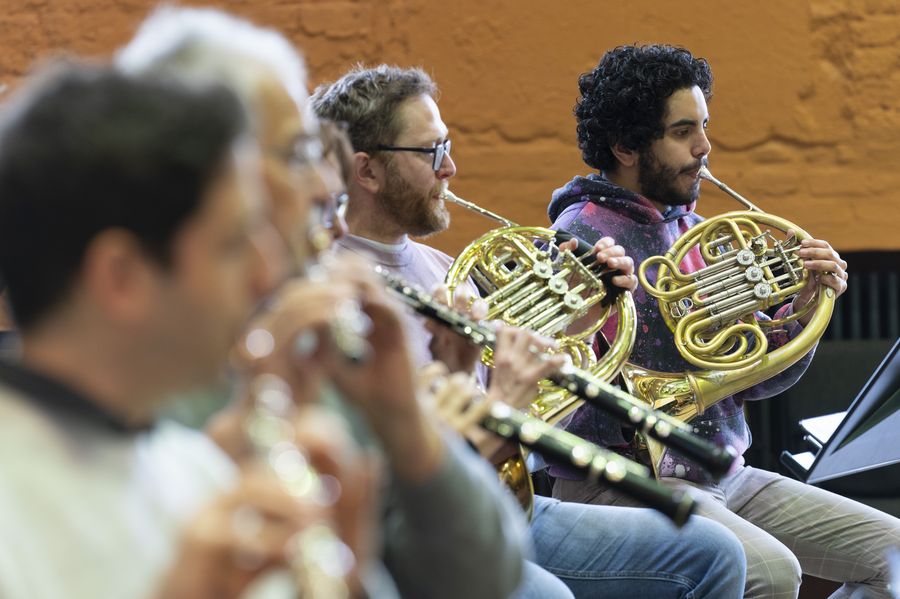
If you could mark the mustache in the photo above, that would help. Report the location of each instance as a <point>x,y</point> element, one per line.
<point>695,166</point>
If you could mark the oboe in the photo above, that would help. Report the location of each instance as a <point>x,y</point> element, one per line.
<point>597,463</point>
<point>619,404</point>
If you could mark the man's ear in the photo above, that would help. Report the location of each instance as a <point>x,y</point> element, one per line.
<point>119,276</point>
<point>368,172</point>
<point>626,157</point>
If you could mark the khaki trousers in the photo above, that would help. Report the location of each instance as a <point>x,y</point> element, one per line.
<point>787,527</point>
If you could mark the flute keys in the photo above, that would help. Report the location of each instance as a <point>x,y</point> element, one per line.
<point>320,561</point>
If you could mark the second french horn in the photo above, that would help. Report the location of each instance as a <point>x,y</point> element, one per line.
<point>528,282</point>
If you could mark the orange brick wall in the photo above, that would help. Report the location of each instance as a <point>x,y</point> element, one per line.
<point>805,120</point>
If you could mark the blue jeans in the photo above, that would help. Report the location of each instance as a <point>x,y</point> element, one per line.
<point>537,583</point>
<point>606,551</point>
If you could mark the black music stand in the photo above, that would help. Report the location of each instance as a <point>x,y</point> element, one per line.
<point>861,456</point>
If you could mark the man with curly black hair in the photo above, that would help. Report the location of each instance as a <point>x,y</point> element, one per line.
<point>624,102</point>
<point>642,119</point>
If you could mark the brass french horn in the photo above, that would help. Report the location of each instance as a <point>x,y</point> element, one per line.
<point>529,283</point>
<point>751,265</point>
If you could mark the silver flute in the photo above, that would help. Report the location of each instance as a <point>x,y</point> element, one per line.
<point>318,559</point>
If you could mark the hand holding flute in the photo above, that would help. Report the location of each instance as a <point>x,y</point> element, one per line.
<point>298,336</point>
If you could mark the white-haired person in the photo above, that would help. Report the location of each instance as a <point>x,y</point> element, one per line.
<point>449,530</point>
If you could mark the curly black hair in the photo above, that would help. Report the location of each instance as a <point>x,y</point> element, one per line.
<point>623,100</point>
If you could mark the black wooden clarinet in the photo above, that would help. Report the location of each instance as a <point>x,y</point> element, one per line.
<point>619,404</point>
<point>595,462</point>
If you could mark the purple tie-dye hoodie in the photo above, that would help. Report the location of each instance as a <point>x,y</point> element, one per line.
<point>592,207</point>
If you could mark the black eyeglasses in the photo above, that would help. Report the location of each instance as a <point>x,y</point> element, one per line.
<point>438,149</point>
